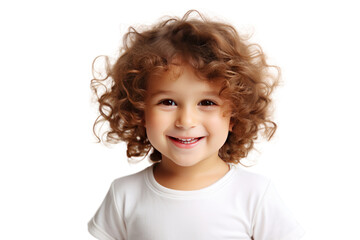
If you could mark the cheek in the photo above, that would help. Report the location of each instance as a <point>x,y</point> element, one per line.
<point>155,121</point>
<point>219,126</point>
<point>218,122</point>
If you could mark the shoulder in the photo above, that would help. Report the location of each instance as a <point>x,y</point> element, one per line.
<point>131,178</point>
<point>250,183</point>
<point>251,179</point>
<point>129,184</point>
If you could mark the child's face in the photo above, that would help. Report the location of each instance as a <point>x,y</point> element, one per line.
<point>185,117</point>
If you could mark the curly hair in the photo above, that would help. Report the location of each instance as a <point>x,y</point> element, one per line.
<point>216,51</point>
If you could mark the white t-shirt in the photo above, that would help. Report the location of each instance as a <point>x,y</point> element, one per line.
<point>239,206</point>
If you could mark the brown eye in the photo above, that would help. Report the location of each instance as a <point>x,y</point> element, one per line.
<point>207,103</point>
<point>167,102</point>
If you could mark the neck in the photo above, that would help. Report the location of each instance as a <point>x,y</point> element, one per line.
<point>169,169</point>
<point>196,177</point>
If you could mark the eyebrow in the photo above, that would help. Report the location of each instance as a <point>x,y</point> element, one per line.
<point>208,93</point>
<point>160,92</point>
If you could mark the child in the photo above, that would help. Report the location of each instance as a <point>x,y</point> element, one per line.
<point>197,95</point>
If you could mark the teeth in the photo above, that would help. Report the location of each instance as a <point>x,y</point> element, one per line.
<point>187,141</point>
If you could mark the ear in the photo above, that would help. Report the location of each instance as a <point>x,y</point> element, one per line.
<point>231,125</point>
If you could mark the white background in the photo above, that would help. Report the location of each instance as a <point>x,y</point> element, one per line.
<point>53,176</point>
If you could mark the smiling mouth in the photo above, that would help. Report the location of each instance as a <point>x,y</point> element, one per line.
<point>186,140</point>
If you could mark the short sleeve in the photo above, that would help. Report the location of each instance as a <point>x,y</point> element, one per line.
<point>273,220</point>
<point>107,223</point>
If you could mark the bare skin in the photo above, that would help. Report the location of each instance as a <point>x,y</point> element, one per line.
<point>188,126</point>
<point>188,181</point>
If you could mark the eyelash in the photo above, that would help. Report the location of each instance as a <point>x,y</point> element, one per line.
<point>169,102</point>
<point>209,102</point>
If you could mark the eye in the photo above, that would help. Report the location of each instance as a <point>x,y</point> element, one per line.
<point>207,103</point>
<point>167,102</point>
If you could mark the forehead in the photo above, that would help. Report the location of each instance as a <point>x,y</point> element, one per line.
<point>182,78</point>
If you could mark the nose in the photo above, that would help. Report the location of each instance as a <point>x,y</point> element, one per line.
<point>186,118</point>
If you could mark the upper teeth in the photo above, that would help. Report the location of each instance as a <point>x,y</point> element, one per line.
<point>187,140</point>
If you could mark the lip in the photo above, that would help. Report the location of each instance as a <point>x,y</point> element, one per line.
<point>182,145</point>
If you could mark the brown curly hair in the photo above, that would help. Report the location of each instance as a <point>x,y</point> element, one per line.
<point>216,51</point>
